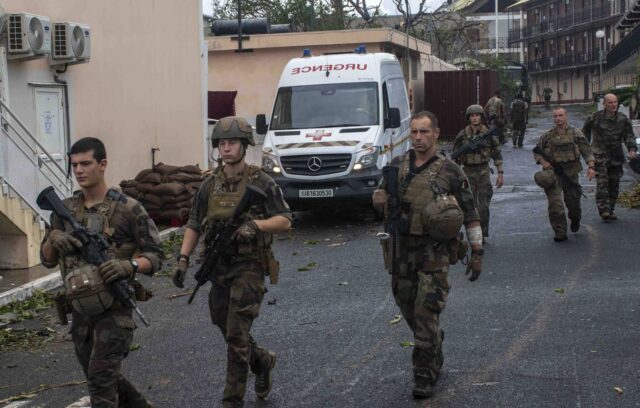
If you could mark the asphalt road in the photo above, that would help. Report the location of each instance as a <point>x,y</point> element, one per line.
<point>546,325</point>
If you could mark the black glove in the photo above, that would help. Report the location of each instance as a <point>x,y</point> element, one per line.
<point>180,271</point>
<point>115,269</point>
<point>246,232</point>
<point>475,265</point>
<point>64,243</point>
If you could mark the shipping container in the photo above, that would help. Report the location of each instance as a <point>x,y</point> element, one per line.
<point>448,93</point>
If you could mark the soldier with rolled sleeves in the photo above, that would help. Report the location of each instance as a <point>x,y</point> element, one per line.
<point>476,163</point>
<point>496,114</point>
<point>238,279</point>
<point>564,144</point>
<point>608,130</point>
<point>102,328</point>
<point>435,201</point>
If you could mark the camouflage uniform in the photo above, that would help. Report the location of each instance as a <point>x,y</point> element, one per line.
<point>606,142</point>
<point>238,282</point>
<point>564,146</point>
<point>518,121</point>
<point>476,167</point>
<point>546,92</point>
<point>420,287</point>
<point>495,114</point>
<point>102,341</point>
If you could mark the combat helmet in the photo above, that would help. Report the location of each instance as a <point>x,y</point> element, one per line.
<point>442,218</point>
<point>474,109</point>
<point>545,178</point>
<point>232,127</point>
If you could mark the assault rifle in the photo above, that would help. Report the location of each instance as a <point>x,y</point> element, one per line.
<point>475,143</point>
<point>559,170</point>
<point>94,246</point>
<point>390,175</point>
<point>219,240</point>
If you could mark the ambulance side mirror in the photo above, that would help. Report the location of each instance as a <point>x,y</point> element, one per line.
<point>393,121</point>
<point>261,124</point>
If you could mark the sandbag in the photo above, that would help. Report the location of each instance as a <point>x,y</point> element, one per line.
<point>185,177</point>
<point>128,183</point>
<point>173,188</point>
<point>190,168</point>
<point>132,192</point>
<point>145,187</point>
<point>153,178</point>
<point>143,173</point>
<point>165,169</point>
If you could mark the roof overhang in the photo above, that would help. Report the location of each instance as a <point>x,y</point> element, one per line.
<point>519,5</point>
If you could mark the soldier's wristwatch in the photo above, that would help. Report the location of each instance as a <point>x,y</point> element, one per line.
<point>135,265</point>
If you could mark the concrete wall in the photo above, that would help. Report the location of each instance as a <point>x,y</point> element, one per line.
<point>143,87</point>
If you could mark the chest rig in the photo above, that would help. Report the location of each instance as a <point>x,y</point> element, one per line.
<point>427,208</point>
<point>222,202</point>
<point>84,286</point>
<point>562,146</point>
<point>481,155</point>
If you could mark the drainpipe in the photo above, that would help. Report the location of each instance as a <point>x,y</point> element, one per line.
<point>67,115</point>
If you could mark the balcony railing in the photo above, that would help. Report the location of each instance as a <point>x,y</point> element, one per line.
<point>557,22</point>
<point>490,43</point>
<point>564,61</point>
<point>625,49</point>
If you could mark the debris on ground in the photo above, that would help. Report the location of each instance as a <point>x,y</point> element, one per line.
<point>41,388</point>
<point>630,198</point>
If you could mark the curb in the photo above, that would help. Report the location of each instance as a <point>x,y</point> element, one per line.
<point>54,279</point>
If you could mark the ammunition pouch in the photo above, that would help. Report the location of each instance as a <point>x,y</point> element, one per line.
<point>385,243</point>
<point>63,308</point>
<point>86,291</point>
<point>565,152</point>
<point>271,265</point>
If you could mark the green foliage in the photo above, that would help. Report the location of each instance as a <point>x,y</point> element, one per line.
<point>28,308</point>
<point>507,85</point>
<point>303,15</point>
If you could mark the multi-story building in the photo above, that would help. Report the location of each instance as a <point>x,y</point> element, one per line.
<point>566,42</point>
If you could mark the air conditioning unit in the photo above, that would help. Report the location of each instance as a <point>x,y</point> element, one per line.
<point>71,43</point>
<point>28,36</point>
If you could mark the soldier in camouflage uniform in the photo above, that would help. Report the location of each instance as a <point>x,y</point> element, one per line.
<point>496,115</point>
<point>420,284</point>
<point>608,130</point>
<point>238,279</point>
<point>476,164</point>
<point>519,110</point>
<point>564,144</point>
<point>102,328</point>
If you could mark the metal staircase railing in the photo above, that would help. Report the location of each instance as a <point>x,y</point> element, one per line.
<point>44,167</point>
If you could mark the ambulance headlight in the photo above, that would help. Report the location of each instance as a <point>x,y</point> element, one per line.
<point>270,163</point>
<point>368,159</point>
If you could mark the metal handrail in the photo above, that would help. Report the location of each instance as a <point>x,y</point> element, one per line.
<point>33,138</point>
<point>36,211</point>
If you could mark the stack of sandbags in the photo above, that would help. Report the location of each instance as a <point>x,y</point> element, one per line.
<point>165,191</point>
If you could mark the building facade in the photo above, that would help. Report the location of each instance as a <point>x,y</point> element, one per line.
<point>566,43</point>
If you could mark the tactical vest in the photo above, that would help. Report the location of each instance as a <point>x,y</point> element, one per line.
<point>222,204</point>
<point>481,155</point>
<point>518,110</point>
<point>492,106</point>
<point>424,192</point>
<point>84,287</point>
<point>562,146</point>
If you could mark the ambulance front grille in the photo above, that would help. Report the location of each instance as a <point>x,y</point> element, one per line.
<point>315,164</point>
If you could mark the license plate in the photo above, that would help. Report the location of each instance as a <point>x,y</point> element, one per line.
<point>326,192</point>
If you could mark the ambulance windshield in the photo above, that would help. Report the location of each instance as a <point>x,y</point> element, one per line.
<point>327,105</point>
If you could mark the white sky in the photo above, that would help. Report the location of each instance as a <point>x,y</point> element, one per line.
<point>387,5</point>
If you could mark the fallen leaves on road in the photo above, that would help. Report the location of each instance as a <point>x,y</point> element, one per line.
<point>307,267</point>
<point>336,244</point>
<point>485,384</point>
<point>396,319</point>
<point>407,344</point>
<point>618,390</point>
<point>559,290</point>
<point>272,301</point>
<point>311,242</point>
<point>134,346</point>
<point>345,283</point>
<point>42,387</point>
<point>630,198</point>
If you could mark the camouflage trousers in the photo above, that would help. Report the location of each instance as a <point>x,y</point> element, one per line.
<point>234,302</point>
<point>480,183</point>
<point>555,195</point>
<point>607,184</point>
<point>101,343</point>
<point>517,135</point>
<point>420,289</point>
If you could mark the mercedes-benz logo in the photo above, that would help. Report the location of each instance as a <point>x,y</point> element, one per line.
<point>314,163</point>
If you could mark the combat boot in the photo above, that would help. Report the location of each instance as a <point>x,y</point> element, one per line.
<point>264,380</point>
<point>560,238</point>
<point>613,216</point>
<point>575,225</point>
<point>605,215</point>
<point>422,388</point>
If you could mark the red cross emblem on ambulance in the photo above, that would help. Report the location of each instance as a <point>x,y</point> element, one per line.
<point>318,135</point>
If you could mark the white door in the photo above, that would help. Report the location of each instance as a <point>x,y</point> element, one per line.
<point>51,134</point>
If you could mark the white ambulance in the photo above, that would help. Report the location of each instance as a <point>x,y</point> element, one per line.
<point>337,120</point>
